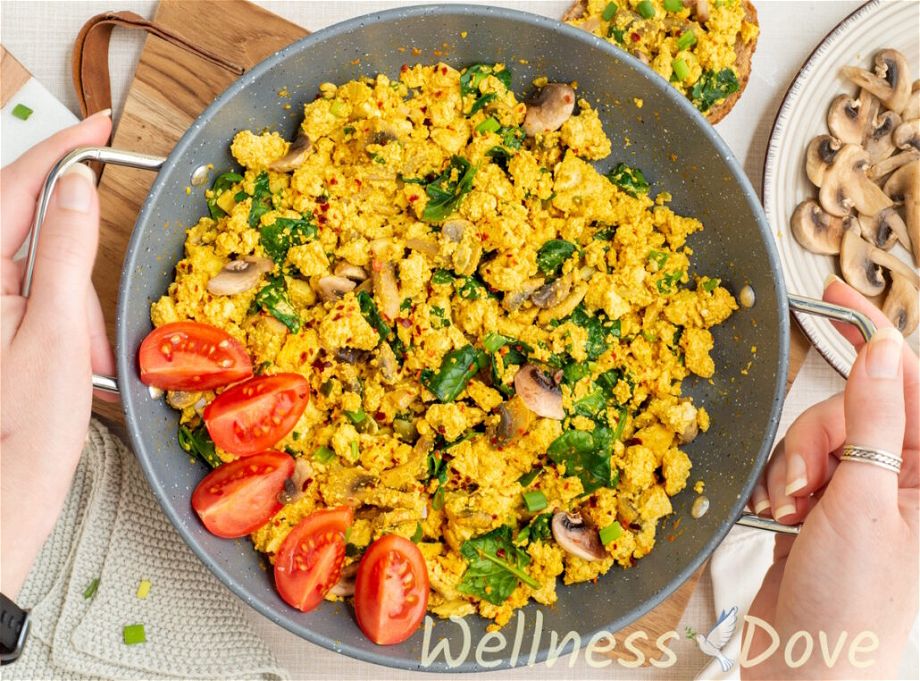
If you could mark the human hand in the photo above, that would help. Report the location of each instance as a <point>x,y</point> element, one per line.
<point>50,345</point>
<point>854,566</point>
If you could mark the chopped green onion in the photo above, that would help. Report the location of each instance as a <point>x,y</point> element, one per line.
<point>646,9</point>
<point>673,5</point>
<point>323,454</point>
<point>710,285</point>
<point>609,11</point>
<point>134,633</point>
<point>143,589</point>
<point>535,501</point>
<point>611,533</point>
<point>22,112</point>
<point>687,40</point>
<point>417,535</point>
<point>488,125</point>
<point>91,589</point>
<point>356,417</point>
<point>681,70</point>
<point>354,450</point>
<point>527,478</point>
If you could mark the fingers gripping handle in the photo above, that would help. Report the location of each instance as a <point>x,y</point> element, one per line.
<point>830,311</point>
<point>103,155</point>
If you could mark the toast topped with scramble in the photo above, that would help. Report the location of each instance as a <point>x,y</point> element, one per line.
<point>702,47</point>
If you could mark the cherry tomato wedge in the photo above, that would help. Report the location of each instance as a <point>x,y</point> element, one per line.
<point>239,497</point>
<point>391,590</point>
<point>192,356</point>
<point>254,415</point>
<point>309,562</point>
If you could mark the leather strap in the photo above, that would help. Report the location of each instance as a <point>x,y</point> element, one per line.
<point>90,60</point>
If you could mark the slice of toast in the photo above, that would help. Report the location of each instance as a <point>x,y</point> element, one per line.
<point>744,53</point>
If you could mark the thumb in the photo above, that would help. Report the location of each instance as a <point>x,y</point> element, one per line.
<point>66,253</point>
<point>875,419</point>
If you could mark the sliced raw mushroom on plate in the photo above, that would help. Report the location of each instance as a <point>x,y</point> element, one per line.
<point>884,229</point>
<point>904,186</point>
<point>295,156</point>
<point>907,135</point>
<point>549,109</point>
<point>577,537</point>
<point>332,288</point>
<point>850,120</point>
<point>890,82</point>
<point>857,266</point>
<point>880,142</point>
<point>816,230</point>
<point>846,186</point>
<point>538,391</point>
<point>880,170</point>
<point>818,157</point>
<point>912,110</point>
<point>238,276</point>
<point>901,304</point>
<point>894,265</point>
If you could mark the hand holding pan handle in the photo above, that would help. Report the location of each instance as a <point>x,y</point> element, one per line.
<point>147,162</point>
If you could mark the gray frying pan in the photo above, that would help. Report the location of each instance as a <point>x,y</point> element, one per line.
<point>706,181</point>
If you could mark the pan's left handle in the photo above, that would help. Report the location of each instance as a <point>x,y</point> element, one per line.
<point>131,159</point>
<point>830,311</point>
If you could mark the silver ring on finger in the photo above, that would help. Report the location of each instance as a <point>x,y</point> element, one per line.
<point>873,455</point>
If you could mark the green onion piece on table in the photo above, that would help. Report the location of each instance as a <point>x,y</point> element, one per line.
<point>133,634</point>
<point>646,9</point>
<point>535,501</point>
<point>22,112</point>
<point>91,589</point>
<point>611,533</point>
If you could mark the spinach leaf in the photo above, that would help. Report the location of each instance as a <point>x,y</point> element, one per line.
<point>591,405</point>
<point>481,102</point>
<point>710,284</point>
<point>369,310</point>
<point>445,193</point>
<point>552,254</point>
<point>496,566</point>
<point>284,233</point>
<point>658,257</point>
<point>598,327</point>
<point>669,281</point>
<point>199,443</point>
<point>273,298</point>
<point>440,314</point>
<point>261,200</point>
<point>630,180</point>
<point>529,477</point>
<point>713,87</point>
<point>512,139</point>
<point>472,289</point>
<point>617,34</point>
<point>221,184</point>
<point>493,341</point>
<point>442,276</point>
<point>608,380</point>
<point>473,76</point>
<point>538,529</point>
<point>457,368</point>
<point>605,234</point>
<point>586,454</point>
<point>575,371</point>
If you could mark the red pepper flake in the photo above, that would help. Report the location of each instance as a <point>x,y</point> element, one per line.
<point>413,197</point>
<point>379,104</point>
<point>423,109</point>
<point>500,553</point>
<point>321,219</point>
<point>635,37</point>
<point>333,180</point>
<point>357,182</point>
<point>379,416</point>
<point>443,70</point>
<point>303,357</point>
<point>404,68</point>
<point>403,322</point>
<point>632,442</point>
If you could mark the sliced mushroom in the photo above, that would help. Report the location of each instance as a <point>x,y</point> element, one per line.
<point>238,276</point>
<point>912,110</point>
<point>846,186</point>
<point>465,249</point>
<point>850,120</point>
<point>551,294</point>
<point>333,288</point>
<point>513,300</point>
<point>424,246</point>
<point>386,362</point>
<point>514,421</point>
<point>884,229</point>
<point>907,135</point>
<point>894,265</point>
<point>577,537</point>
<point>858,268</point>
<point>815,230</point>
<point>180,399</point>
<point>351,355</point>
<point>820,155</point>
<point>296,155</point>
<point>345,587</point>
<point>878,171</point>
<point>880,142</point>
<point>349,271</point>
<point>551,107</point>
<point>385,288</point>
<point>538,391</point>
<point>904,186</point>
<point>590,24</point>
<point>453,229</point>
<point>890,82</point>
<point>700,10</point>
<point>901,304</point>
<point>294,485</point>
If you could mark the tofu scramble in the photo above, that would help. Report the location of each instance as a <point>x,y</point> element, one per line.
<point>494,333</point>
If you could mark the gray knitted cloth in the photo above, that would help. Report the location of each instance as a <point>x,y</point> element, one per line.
<point>113,529</point>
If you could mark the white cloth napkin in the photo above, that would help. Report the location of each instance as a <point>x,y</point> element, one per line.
<point>741,561</point>
<point>113,530</point>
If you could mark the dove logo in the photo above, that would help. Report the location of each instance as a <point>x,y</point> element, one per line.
<point>713,642</point>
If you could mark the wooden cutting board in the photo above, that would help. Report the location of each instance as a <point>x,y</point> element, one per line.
<point>170,88</point>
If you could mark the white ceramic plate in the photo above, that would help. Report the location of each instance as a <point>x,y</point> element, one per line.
<point>874,26</point>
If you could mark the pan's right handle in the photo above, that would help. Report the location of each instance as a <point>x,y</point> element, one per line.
<point>131,159</point>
